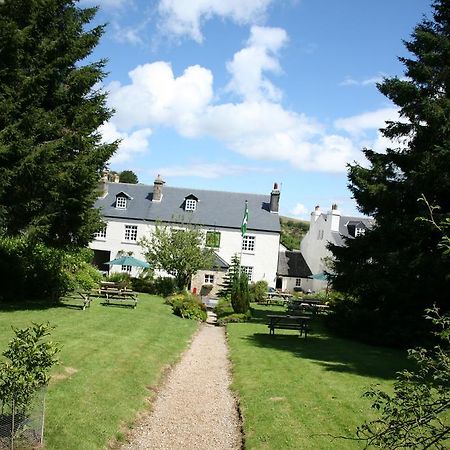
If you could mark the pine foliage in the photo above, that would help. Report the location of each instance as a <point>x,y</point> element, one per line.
<point>50,109</point>
<point>394,272</point>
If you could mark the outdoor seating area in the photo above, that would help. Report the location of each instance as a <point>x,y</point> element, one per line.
<point>307,305</point>
<point>288,322</point>
<point>79,298</point>
<point>115,293</point>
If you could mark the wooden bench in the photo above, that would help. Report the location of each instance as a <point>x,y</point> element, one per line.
<point>288,322</point>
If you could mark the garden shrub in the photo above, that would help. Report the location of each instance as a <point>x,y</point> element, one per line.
<point>188,306</point>
<point>234,318</point>
<point>164,286</point>
<point>258,291</point>
<point>123,279</point>
<point>32,270</point>
<point>223,308</point>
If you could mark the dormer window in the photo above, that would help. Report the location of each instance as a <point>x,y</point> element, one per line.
<point>121,202</point>
<point>191,205</point>
<point>360,231</point>
<point>190,202</point>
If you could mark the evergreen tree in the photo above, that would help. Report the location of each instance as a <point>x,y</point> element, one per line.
<point>240,297</point>
<point>395,271</point>
<point>225,286</point>
<point>50,109</point>
<point>128,176</point>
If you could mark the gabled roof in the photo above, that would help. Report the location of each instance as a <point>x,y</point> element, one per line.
<point>292,264</point>
<point>347,225</point>
<point>219,262</point>
<point>124,194</point>
<point>215,208</point>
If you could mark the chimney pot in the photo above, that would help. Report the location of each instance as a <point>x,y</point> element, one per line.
<point>334,207</point>
<point>157,188</point>
<point>275,199</point>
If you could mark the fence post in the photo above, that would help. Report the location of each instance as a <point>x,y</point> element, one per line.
<point>12,423</point>
<point>43,419</point>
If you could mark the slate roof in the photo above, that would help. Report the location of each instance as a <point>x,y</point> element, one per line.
<point>214,208</point>
<point>292,264</point>
<point>347,226</point>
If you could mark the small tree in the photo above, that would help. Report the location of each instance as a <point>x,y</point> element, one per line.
<point>29,361</point>
<point>177,251</point>
<point>128,176</point>
<point>227,283</point>
<point>240,297</point>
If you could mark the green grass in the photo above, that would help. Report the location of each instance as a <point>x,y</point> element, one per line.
<point>111,357</point>
<point>297,393</point>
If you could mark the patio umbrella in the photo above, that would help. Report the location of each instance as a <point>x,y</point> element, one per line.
<point>128,261</point>
<point>321,276</point>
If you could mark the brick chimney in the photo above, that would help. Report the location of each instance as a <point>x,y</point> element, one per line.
<point>157,189</point>
<point>275,199</point>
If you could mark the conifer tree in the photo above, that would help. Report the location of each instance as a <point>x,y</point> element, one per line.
<point>225,286</point>
<point>395,271</point>
<point>50,109</point>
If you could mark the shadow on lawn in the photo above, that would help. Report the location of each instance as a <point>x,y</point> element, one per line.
<point>29,306</point>
<point>331,352</point>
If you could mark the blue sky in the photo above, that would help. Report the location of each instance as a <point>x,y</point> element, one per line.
<point>237,94</point>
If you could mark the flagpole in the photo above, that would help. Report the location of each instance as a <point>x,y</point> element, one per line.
<point>243,231</point>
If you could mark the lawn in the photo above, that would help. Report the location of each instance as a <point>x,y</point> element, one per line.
<point>111,357</point>
<point>298,394</point>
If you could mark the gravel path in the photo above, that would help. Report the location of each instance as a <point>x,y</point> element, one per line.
<point>195,408</point>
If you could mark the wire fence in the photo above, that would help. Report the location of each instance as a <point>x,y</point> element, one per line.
<point>22,427</point>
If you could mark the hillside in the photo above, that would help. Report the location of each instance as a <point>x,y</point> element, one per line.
<point>292,232</point>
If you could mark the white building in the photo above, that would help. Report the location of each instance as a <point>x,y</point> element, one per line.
<point>132,210</point>
<point>324,228</point>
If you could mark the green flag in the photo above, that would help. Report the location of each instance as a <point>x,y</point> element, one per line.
<point>245,220</point>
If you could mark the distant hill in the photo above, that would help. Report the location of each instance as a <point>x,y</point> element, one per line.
<point>292,232</point>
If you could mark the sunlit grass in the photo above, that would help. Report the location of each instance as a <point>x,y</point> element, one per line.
<point>111,357</point>
<point>299,394</point>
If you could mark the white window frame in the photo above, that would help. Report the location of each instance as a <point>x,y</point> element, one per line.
<point>209,278</point>
<point>126,268</point>
<point>298,282</point>
<point>249,271</point>
<point>100,235</point>
<point>360,232</point>
<point>130,233</point>
<point>190,204</point>
<point>248,243</point>
<point>121,202</point>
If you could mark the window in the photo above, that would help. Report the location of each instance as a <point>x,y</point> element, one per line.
<point>360,232</point>
<point>320,235</point>
<point>249,271</point>
<point>213,239</point>
<point>100,235</point>
<point>190,204</point>
<point>131,233</point>
<point>209,278</point>
<point>126,269</point>
<point>248,243</point>
<point>121,202</point>
<point>298,282</point>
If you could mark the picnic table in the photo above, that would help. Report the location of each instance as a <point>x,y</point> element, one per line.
<point>288,322</point>
<point>114,294</point>
<point>85,298</point>
<point>275,297</point>
<point>314,305</point>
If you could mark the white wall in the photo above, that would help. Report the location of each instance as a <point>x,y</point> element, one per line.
<point>264,259</point>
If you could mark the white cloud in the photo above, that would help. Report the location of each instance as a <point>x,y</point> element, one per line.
<point>132,143</point>
<point>185,18</point>
<point>258,126</point>
<point>105,3</point>
<point>248,65</point>
<point>300,210</point>
<point>349,81</point>
<point>358,124</point>
<point>208,170</point>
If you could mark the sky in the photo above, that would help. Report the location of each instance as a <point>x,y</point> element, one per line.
<point>235,95</point>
